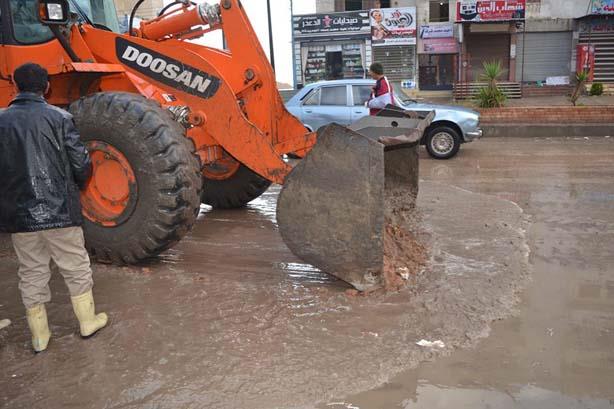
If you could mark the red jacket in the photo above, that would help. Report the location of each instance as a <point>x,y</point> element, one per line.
<point>382,86</point>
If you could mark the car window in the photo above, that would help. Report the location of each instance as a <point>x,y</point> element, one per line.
<point>333,96</point>
<point>313,98</point>
<point>26,27</point>
<point>362,93</point>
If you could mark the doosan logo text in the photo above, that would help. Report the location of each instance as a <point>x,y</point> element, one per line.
<point>166,70</point>
<point>170,71</point>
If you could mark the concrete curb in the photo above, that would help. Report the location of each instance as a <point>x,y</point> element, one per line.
<point>546,131</point>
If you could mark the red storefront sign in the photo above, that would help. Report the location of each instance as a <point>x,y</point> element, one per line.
<point>490,10</point>
<point>439,46</point>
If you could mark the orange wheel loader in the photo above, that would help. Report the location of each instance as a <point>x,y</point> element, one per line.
<point>171,124</point>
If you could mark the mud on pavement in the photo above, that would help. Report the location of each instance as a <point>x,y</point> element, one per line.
<point>230,319</point>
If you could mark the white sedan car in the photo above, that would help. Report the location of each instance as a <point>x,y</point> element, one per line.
<point>343,102</point>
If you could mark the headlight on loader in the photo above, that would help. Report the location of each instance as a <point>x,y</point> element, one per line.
<point>53,11</point>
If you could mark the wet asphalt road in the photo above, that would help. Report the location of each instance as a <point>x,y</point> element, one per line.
<point>559,351</point>
<point>230,318</point>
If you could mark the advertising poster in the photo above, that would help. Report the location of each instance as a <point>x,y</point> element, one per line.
<point>396,26</point>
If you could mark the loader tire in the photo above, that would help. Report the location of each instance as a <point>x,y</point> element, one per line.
<point>236,191</point>
<point>164,186</point>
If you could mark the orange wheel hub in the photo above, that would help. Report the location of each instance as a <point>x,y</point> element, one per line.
<point>221,169</point>
<point>110,196</point>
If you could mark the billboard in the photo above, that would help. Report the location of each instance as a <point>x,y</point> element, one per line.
<point>500,10</point>
<point>396,26</point>
<point>331,23</point>
<point>602,7</point>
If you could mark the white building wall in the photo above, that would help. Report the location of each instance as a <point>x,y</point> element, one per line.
<point>149,8</point>
<point>325,6</point>
<point>544,9</point>
<point>558,9</point>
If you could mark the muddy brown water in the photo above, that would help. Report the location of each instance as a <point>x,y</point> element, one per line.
<point>230,319</point>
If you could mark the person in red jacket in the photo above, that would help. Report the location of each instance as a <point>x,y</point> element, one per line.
<point>382,94</point>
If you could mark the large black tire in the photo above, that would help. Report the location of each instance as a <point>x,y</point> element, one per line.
<point>236,191</point>
<point>442,142</point>
<point>166,170</point>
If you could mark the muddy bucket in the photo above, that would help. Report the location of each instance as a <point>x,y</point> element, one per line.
<point>351,195</point>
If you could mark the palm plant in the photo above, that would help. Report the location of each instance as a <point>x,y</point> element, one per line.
<point>581,78</point>
<point>491,95</point>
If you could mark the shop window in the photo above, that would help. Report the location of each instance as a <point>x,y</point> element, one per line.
<point>334,96</point>
<point>352,5</point>
<point>439,11</point>
<point>362,93</point>
<point>375,4</point>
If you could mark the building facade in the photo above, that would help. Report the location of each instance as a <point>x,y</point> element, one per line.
<point>147,10</point>
<point>594,33</point>
<point>339,42</point>
<point>538,42</point>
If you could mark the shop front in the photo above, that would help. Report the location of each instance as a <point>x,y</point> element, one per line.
<point>596,34</point>
<point>331,46</point>
<point>488,32</point>
<point>393,35</point>
<point>437,57</point>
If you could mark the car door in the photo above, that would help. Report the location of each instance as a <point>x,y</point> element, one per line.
<point>326,104</point>
<point>360,95</point>
<point>422,109</point>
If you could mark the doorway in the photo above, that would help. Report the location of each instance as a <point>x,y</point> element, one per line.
<point>436,71</point>
<point>334,65</point>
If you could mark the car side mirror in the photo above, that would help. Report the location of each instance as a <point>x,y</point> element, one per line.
<point>51,12</point>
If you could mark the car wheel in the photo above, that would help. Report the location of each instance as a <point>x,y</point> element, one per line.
<point>442,142</point>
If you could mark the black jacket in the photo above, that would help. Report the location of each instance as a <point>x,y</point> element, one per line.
<point>42,165</point>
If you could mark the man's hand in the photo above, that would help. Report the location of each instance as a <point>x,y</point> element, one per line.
<point>78,155</point>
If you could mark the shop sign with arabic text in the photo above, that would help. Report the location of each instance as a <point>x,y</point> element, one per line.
<point>333,23</point>
<point>476,11</point>
<point>602,7</point>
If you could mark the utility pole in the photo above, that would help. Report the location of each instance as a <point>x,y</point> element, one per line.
<point>292,44</point>
<point>271,50</point>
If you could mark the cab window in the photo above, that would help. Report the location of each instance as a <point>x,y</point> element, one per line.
<point>26,27</point>
<point>100,12</point>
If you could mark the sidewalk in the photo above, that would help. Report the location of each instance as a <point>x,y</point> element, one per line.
<point>560,100</point>
<point>548,116</point>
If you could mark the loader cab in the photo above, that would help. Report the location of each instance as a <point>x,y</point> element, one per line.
<point>20,24</point>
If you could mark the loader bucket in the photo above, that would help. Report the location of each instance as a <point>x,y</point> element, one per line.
<point>356,185</point>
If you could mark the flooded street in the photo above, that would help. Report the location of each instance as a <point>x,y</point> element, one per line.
<point>519,289</point>
<point>558,352</point>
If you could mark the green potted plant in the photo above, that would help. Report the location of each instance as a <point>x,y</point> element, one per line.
<point>491,95</point>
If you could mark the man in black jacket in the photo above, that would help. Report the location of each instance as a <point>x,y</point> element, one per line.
<point>43,164</point>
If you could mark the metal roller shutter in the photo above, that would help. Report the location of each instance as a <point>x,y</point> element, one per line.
<point>399,61</point>
<point>487,47</point>
<point>546,54</point>
<point>604,54</point>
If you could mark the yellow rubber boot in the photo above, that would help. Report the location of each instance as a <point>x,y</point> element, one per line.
<point>37,321</point>
<point>84,308</point>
